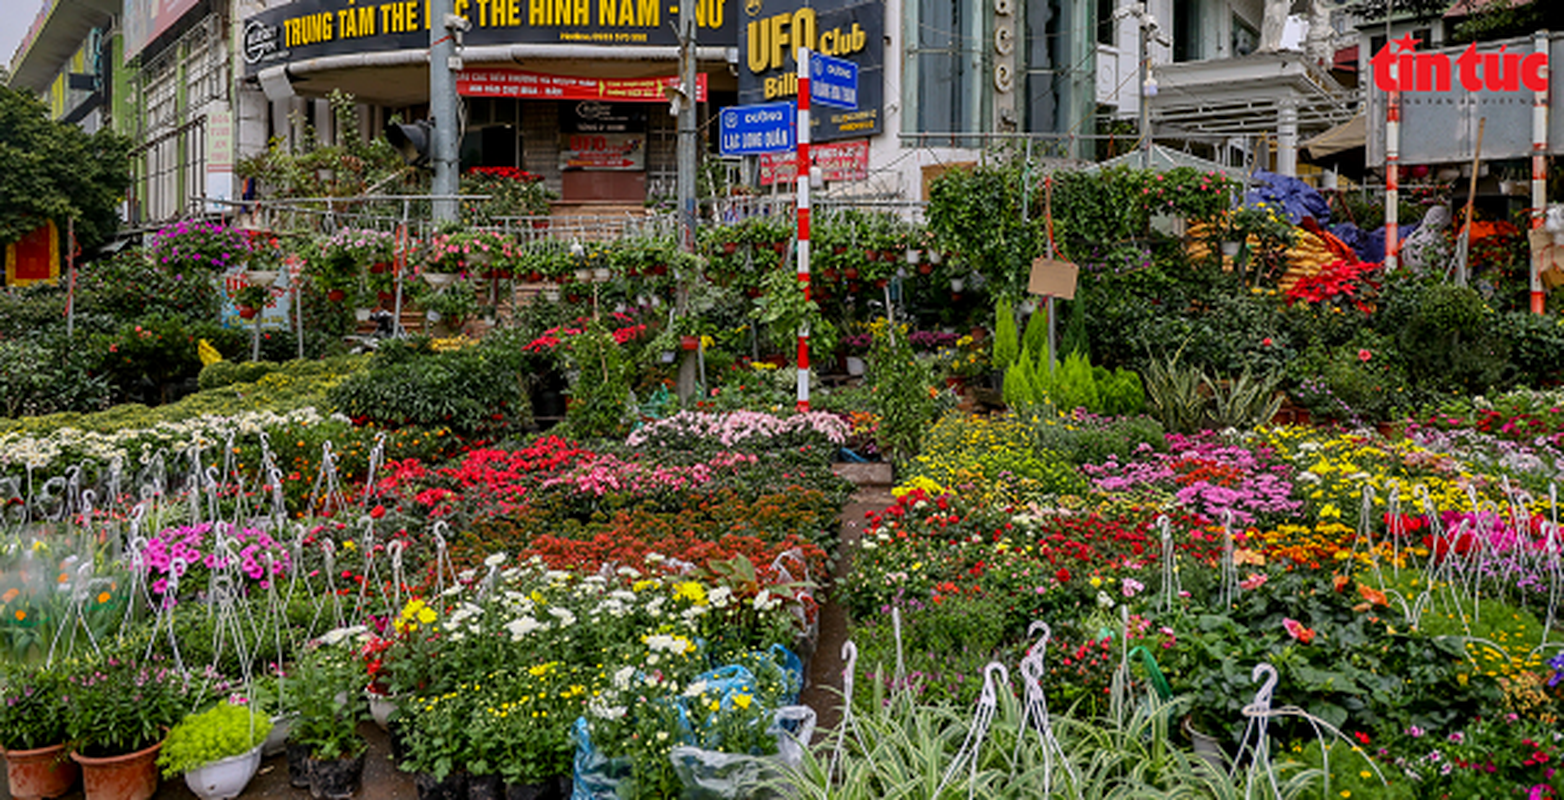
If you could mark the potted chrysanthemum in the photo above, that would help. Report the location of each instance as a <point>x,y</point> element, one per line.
<point>217,750</point>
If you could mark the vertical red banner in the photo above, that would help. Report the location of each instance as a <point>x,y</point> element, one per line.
<point>34,258</point>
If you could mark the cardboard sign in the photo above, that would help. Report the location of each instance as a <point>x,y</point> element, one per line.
<point>1549,255</point>
<point>1052,277</point>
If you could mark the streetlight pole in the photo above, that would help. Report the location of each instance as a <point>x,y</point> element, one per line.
<point>687,155</point>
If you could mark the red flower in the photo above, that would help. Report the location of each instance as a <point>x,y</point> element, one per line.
<point>377,512</point>
<point>1063,575</point>
<point>1364,355</point>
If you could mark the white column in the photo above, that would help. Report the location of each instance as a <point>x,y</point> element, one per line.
<point>1287,138</point>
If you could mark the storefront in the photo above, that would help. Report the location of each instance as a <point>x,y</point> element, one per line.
<point>569,89</point>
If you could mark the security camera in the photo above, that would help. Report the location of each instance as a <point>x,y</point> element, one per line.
<point>456,22</point>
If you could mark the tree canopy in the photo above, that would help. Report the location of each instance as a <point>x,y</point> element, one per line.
<point>52,170</point>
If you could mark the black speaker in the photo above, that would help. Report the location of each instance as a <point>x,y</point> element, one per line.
<point>413,141</point>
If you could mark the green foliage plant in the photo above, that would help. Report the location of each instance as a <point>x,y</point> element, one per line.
<point>329,695</point>
<point>220,732</point>
<point>57,171</point>
<point>904,393</point>
<point>977,213</point>
<point>599,404</point>
<point>1007,346</point>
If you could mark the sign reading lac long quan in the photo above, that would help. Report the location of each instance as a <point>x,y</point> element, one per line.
<point>757,129</point>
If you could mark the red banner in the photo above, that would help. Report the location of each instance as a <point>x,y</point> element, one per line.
<point>537,86</point>
<point>34,258</point>
<point>838,161</point>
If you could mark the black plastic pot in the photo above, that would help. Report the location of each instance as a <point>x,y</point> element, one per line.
<point>337,779</point>
<point>485,787</point>
<point>298,765</point>
<point>453,787</point>
<point>546,790</point>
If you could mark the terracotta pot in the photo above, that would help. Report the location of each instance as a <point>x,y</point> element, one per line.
<point>879,283</point>
<point>730,247</point>
<point>336,295</point>
<point>851,273</point>
<point>44,772</point>
<point>246,312</point>
<point>660,269</point>
<point>872,255</point>
<point>540,223</point>
<point>925,268</point>
<point>128,777</point>
<point>386,297</point>
<point>534,277</point>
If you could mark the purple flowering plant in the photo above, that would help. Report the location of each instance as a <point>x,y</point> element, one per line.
<point>188,555</point>
<point>195,246</point>
<point>1203,474</point>
<point>31,709</point>
<point>115,706</point>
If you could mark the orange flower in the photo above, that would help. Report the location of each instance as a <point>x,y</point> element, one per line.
<point>1296,630</point>
<point>21,615</point>
<point>10,594</point>
<point>1374,596</point>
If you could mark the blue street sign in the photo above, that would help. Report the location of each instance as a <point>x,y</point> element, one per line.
<point>756,129</point>
<point>833,82</point>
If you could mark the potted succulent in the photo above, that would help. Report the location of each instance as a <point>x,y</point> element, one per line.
<point>218,750</point>
<point>32,734</point>
<point>116,711</point>
<point>325,734</point>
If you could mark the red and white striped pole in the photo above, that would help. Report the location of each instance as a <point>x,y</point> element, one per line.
<point>1392,173</point>
<point>1539,166</point>
<point>801,185</point>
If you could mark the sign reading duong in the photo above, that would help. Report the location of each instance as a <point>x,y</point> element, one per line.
<point>312,28</point>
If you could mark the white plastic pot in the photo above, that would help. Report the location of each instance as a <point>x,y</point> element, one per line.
<point>225,778</point>
<point>380,707</point>
<point>277,740</point>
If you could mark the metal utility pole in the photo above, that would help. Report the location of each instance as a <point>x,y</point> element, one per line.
<point>687,154</point>
<point>443,29</point>
<point>687,151</point>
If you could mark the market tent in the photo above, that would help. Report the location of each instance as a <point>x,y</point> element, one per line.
<point>1341,147</point>
<point>1166,158</point>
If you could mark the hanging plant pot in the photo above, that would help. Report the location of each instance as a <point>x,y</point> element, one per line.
<point>780,247</point>
<point>690,342</point>
<point>752,292</point>
<point>380,268</point>
<point>602,274</point>
<point>277,741</point>
<point>247,312</point>
<point>936,257</point>
<point>44,772</point>
<point>225,778</point>
<point>261,277</point>
<point>534,277</point>
<point>729,248</point>
<point>336,295</point>
<point>440,280</point>
<point>829,274</point>
<point>955,297</point>
<point>925,268</point>
<point>914,256</point>
<point>851,273</point>
<point>660,269</point>
<point>540,224</point>
<point>888,255</point>
<point>551,294</point>
<point>382,707</point>
<point>132,776</point>
<point>957,284</point>
<point>337,779</point>
<point>880,283</point>
<point>386,297</point>
<point>871,255</point>
<point>840,250</point>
